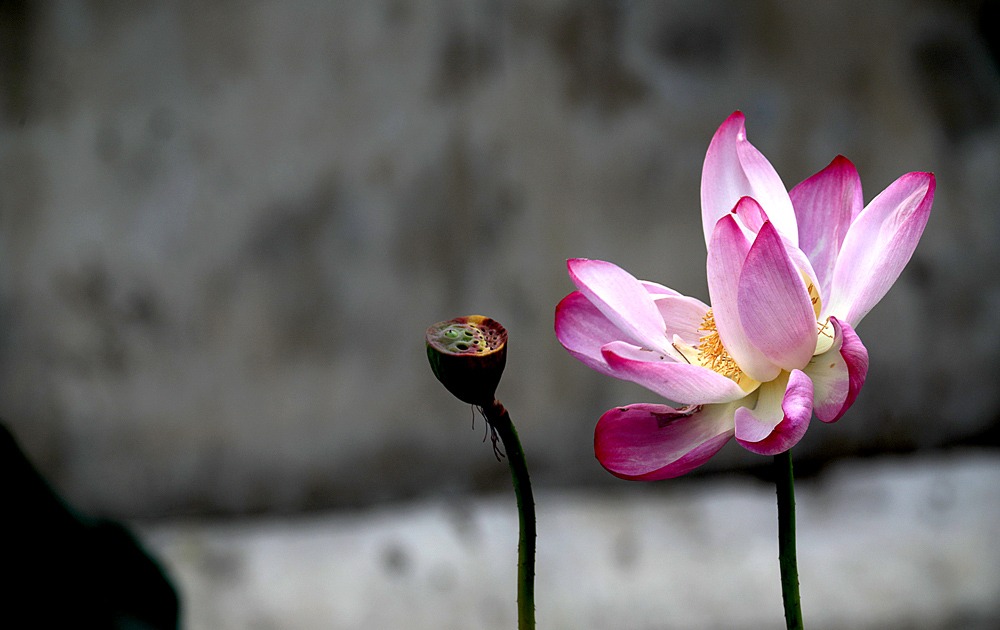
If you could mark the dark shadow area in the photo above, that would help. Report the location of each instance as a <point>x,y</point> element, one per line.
<point>67,571</point>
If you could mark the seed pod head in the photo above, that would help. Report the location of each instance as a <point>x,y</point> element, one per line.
<point>467,355</point>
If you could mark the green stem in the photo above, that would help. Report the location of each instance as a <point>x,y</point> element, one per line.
<point>787,561</point>
<point>499,419</point>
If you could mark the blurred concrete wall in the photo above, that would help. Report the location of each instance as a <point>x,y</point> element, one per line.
<point>224,227</point>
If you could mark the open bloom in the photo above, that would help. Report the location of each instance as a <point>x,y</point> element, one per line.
<point>790,274</point>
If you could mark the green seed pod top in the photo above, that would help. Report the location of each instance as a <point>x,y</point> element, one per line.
<point>468,354</point>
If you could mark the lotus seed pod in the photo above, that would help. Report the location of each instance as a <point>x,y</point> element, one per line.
<point>468,354</point>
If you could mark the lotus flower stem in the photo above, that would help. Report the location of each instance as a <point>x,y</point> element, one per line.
<point>499,419</point>
<point>787,559</point>
<point>468,355</point>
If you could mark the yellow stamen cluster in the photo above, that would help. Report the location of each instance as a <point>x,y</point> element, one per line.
<point>712,354</point>
<point>814,297</point>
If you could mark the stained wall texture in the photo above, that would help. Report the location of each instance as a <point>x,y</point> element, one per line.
<point>224,227</point>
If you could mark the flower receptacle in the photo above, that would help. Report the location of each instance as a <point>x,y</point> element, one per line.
<point>468,355</point>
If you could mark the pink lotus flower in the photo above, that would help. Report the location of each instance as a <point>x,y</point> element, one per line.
<point>789,274</point>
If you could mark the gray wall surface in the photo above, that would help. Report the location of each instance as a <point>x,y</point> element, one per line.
<point>224,227</point>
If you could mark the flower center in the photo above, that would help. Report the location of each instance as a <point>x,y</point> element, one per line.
<point>712,354</point>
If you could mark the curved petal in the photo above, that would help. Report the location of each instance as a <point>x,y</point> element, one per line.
<point>723,181</point>
<point>753,217</point>
<point>734,168</point>
<point>657,290</point>
<point>856,356</point>
<point>830,376</point>
<point>878,245</point>
<point>825,204</point>
<point>677,381</point>
<point>774,305</point>
<point>727,252</point>
<point>682,316</point>
<point>625,301</point>
<point>769,190</point>
<point>781,416</point>
<point>652,442</point>
<point>838,373</point>
<point>583,330</point>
